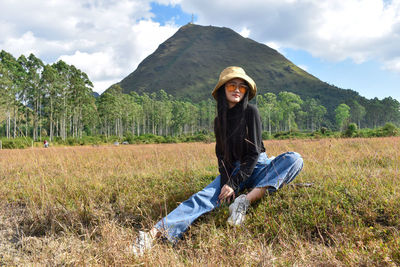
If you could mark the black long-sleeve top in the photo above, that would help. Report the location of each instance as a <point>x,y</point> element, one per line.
<point>252,146</point>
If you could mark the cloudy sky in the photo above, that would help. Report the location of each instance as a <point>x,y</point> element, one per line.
<point>353,44</point>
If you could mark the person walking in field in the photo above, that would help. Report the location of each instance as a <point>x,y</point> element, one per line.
<point>242,161</point>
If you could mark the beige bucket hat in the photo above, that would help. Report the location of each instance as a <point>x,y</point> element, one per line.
<point>231,73</point>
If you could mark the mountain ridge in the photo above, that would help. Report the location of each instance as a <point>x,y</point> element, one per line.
<point>188,63</point>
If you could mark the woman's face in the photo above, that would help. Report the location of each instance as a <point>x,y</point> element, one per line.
<point>235,90</point>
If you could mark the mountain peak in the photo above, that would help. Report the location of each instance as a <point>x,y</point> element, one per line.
<point>187,65</point>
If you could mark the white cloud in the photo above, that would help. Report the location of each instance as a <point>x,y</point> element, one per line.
<point>334,30</point>
<point>107,39</point>
<point>245,32</point>
<point>168,2</point>
<point>116,61</point>
<point>104,84</point>
<point>274,45</point>
<point>25,44</point>
<point>95,63</point>
<point>304,67</point>
<point>149,35</point>
<point>393,65</point>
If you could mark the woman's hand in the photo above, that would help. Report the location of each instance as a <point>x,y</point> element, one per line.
<point>227,194</point>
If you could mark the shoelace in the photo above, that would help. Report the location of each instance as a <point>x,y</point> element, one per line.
<point>241,208</point>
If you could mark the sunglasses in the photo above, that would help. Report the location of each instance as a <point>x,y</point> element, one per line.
<point>232,87</point>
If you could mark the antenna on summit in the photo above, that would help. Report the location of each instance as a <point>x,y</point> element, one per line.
<point>191,22</point>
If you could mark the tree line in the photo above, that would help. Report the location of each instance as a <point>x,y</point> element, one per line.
<point>156,113</point>
<point>38,99</point>
<point>50,101</point>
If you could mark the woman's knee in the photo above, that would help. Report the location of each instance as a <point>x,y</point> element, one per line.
<point>292,157</point>
<point>297,160</point>
<point>292,160</point>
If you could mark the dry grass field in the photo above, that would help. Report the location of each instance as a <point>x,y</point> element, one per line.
<point>84,206</point>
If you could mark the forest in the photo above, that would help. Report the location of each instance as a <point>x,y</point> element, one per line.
<point>56,101</point>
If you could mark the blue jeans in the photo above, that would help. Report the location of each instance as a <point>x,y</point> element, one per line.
<point>267,173</point>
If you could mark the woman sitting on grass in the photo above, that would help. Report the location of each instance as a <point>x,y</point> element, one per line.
<point>243,163</point>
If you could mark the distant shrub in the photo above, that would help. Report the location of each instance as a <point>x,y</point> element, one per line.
<point>366,132</point>
<point>70,141</point>
<point>16,143</point>
<point>130,138</point>
<point>90,140</point>
<point>291,135</point>
<point>112,139</point>
<point>57,139</point>
<point>85,140</point>
<point>351,130</point>
<point>266,136</point>
<point>200,137</point>
<point>390,129</point>
<point>170,139</point>
<point>280,135</point>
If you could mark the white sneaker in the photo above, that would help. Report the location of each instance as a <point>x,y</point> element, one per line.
<point>237,210</point>
<point>143,243</point>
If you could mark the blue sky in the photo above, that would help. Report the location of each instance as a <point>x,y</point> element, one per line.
<point>170,13</point>
<point>353,44</point>
<point>367,78</point>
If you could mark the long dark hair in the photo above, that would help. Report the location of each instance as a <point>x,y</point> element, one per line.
<point>238,133</point>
